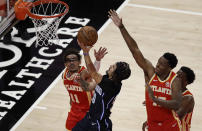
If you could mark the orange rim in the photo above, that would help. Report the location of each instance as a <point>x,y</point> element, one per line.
<point>21,8</point>
<point>35,16</point>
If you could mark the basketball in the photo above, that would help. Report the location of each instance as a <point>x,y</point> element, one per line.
<point>87,35</point>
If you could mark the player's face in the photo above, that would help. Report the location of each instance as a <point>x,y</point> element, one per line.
<point>72,63</point>
<point>162,66</point>
<point>182,75</point>
<point>111,70</point>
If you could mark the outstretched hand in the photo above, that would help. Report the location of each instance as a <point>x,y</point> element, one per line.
<point>115,18</point>
<point>100,53</point>
<point>85,49</point>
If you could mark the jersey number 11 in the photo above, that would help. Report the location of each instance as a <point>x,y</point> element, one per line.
<point>74,98</point>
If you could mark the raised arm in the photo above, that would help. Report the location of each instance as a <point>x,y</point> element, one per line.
<point>86,81</point>
<point>91,69</point>
<point>99,55</point>
<point>132,45</point>
<point>176,99</point>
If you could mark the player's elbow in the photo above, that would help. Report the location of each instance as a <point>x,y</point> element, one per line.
<point>92,86</point>
<point>176,105</point>
<point>89,87</point>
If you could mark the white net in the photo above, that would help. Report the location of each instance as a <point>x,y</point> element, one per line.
<point>46,31</point>
<point>46,28</point>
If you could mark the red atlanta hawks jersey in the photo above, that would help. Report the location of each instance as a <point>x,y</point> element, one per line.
<point>80,99</point>
<point>162,90</point>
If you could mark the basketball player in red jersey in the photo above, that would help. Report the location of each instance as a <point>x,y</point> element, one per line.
<point>186,109</point>
<point>79,99</point>
<point>161,114</point>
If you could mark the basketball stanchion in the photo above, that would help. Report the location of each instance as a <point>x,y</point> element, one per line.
<point>46,16</point>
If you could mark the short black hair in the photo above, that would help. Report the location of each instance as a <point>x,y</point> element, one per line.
<point>122,71</point>
<point>70,51</point>
<point>190,75</point>
<point>172,59</point>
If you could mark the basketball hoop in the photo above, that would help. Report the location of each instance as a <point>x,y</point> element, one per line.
<point>46,16</point>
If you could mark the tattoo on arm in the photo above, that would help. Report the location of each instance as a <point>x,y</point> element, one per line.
<point>84,84</point>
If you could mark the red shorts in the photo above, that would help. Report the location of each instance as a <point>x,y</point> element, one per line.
<point>174,125</point>
<point>74,116</point>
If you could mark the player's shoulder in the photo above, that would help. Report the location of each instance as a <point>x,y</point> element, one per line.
<point>63,73</point>
<point>173,74</point>
<point>81,69</point>
<point>188,96</point>
<point>189,99</point>
<point>187,93</point>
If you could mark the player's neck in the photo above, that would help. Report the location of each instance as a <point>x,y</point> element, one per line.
<point>164,76</point>
<point>75,71</point>
<point>72,72</point>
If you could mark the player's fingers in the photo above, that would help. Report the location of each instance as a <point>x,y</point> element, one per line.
<point>115,12</point>
<point>111,16</point>
<point>111,12</point>
<point>104,50</point>
<point>100,49</point>
<point>106,53</point>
